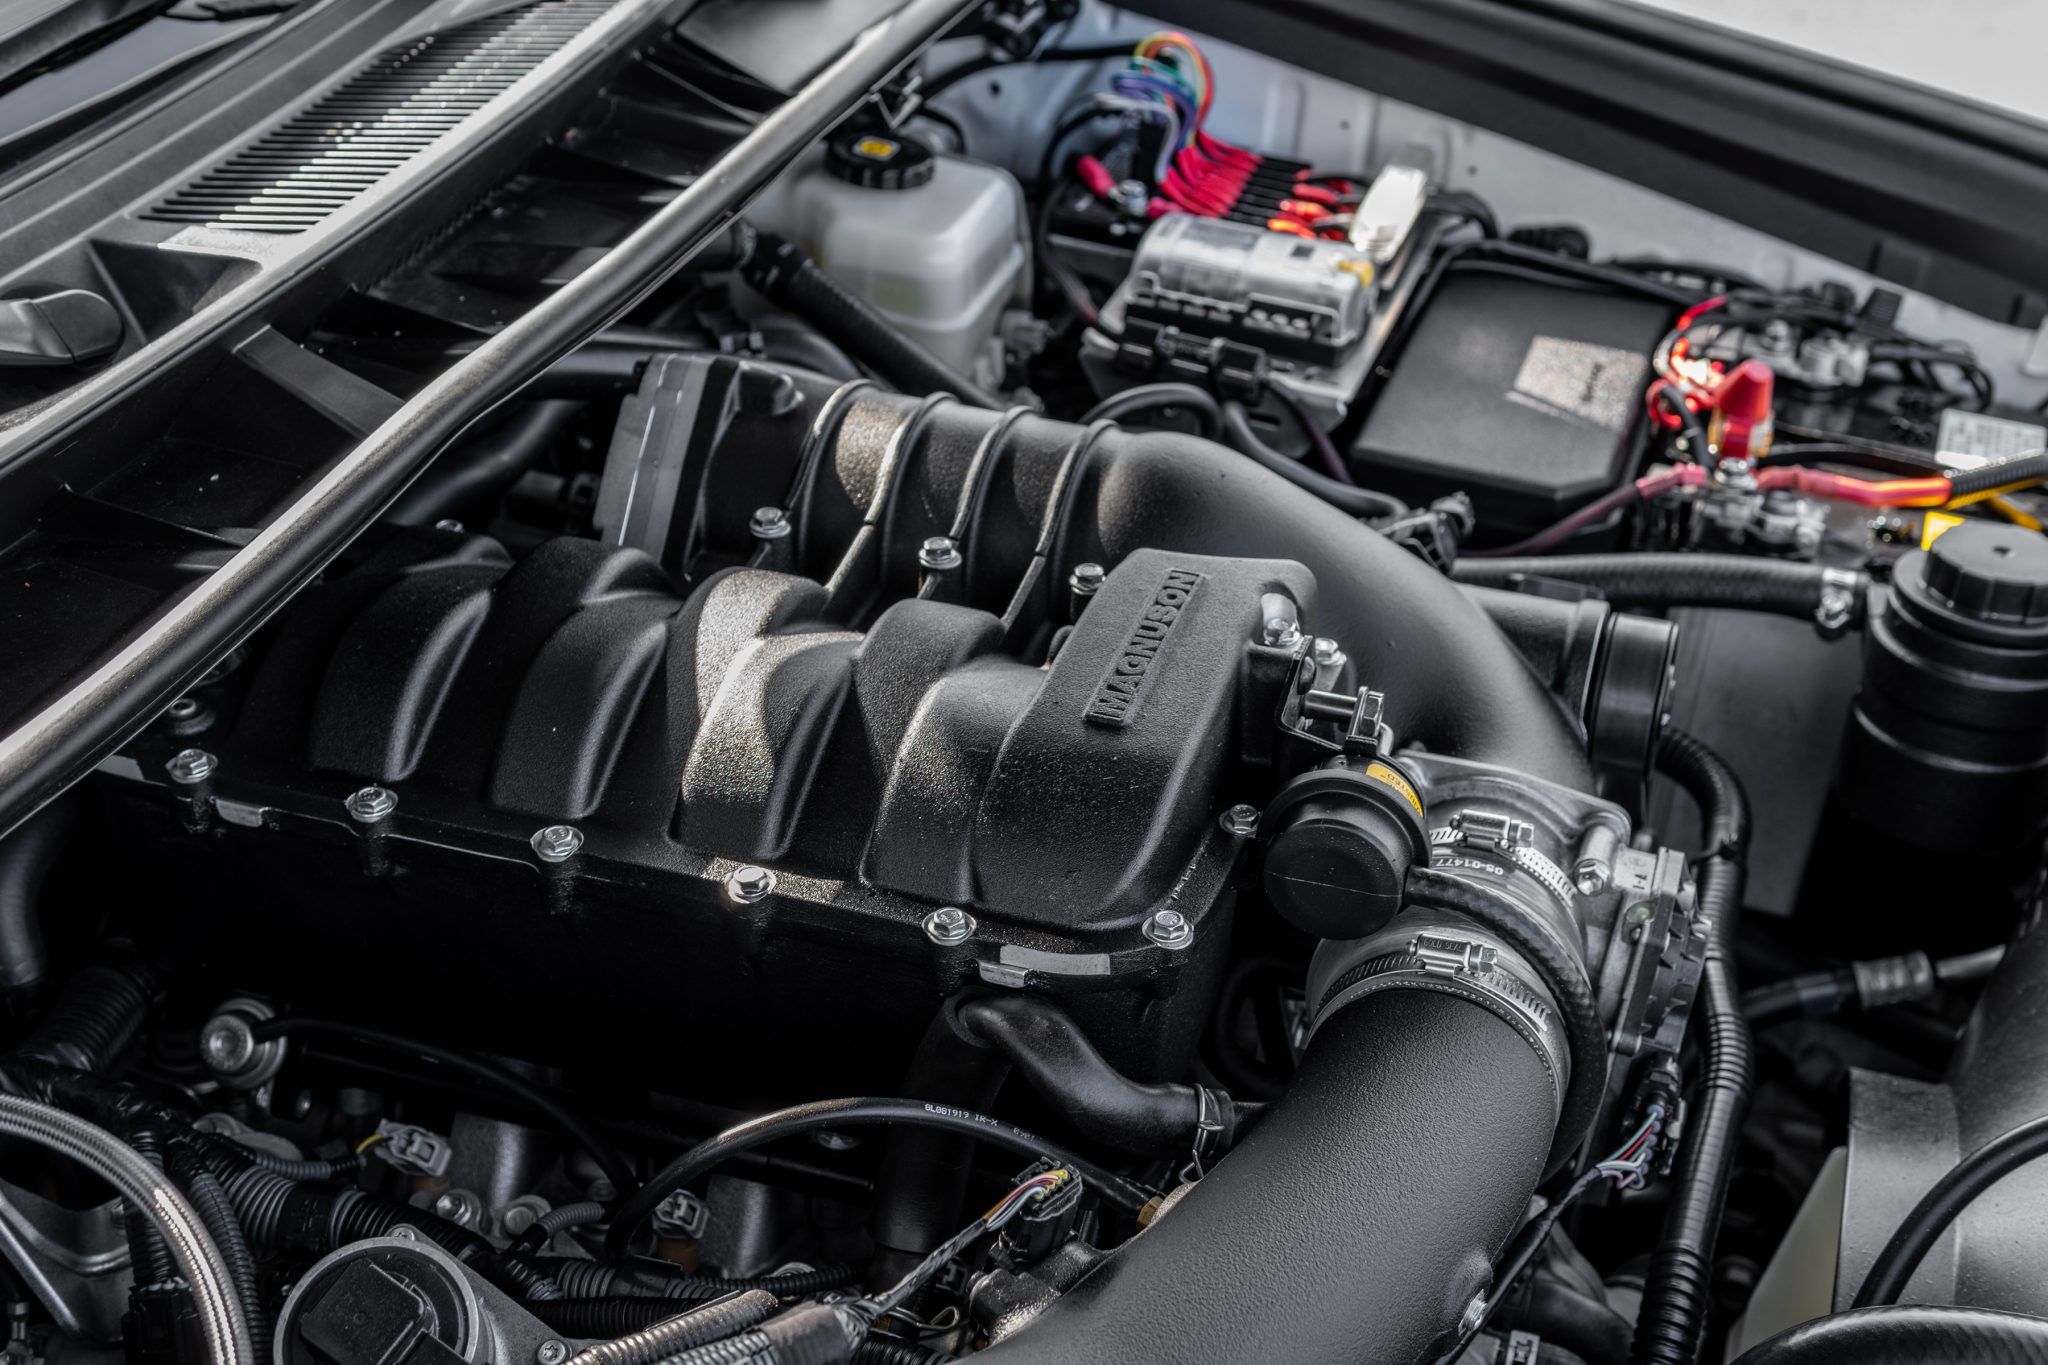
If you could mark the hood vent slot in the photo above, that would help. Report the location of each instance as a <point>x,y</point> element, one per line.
<point>318,160</point>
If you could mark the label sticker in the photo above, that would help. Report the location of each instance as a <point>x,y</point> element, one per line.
<point>1382,773</point>
<point>1972,440</point>
<point>1599,385</point>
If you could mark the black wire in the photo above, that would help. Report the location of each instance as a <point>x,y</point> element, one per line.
<point>615,1166</point>
<point>850,1113</point>
<point>1358,502</point>
<point>1151,397</point>
<point>974,66</point>
<point>1940,1207</point>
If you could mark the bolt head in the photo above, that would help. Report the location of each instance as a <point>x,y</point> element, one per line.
<point>517,1218</point>
<point>1170,929</point>
<point>556,843</point>
<point>1328,653</point>
<point>189,767</point>
<point>939,554</point>
<point>372,805</point>
<point>949,926</point>
<point>769,523</point>
<point>227,1043</point>
<point>551,1352</point>
<point>1087,579</point>
<point>749,884</point>
<point>1281,632</point>
<point>448,524</point>
<point>1591,877</point>
<point>1240,822</point>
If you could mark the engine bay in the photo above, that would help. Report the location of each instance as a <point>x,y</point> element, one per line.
<point>1388,746</point>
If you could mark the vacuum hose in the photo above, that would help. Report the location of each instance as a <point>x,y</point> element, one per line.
<point>1917,1334</point>
<point>1658,580</point>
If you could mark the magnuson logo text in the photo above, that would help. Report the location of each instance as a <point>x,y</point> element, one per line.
<point>1123,686</point>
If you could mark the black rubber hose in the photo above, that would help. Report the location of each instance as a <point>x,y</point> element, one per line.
<point>1561,972</point>
<point>1048,1047</point>
<point>26,857</point>
<point>1942,1204</point>
<point>615,1166</point>
<point>1563,1316</point>
<point>1358,502</point>
<point>665,1281</point>
<point>94,1019</point>
<point>1677,1286</point>
<point>1917,1334</point>
<point>1658,580</point>
<point>848,1113</point>
<point>1153,397</point>
<point>780,272</point>
<point>148,1257</point>
<point>471,472</point>
<point>612,1316</point>
<point>339,1168</point>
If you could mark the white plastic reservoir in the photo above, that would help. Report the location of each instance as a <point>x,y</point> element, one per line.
<point>935,242</point>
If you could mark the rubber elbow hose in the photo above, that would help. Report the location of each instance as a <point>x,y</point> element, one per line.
<point>1660,581</point>
<point>1048,1047</point>
<point>780,272</point>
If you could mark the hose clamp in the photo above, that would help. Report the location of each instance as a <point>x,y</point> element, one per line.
<point>1472,965</point>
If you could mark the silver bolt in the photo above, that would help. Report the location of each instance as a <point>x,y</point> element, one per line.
<point>1240,822</point>
<point>1283,632</point>
<point>551,1352</point>
<point>939,554</point>
<point>949,926</point>
<point>189,767</point>
<point>521,1214</point>
<point>448,524</point>
<point>1474,1314</point>
<point>557,843</point>
<point>1170,929</point>
<point>1591,876</point>
<point>769,523</point>
<point>749,884</point>
<point>1328,653</point>
<point>405,1232</point>
<point>227,1043</point>
<point>460,1206</point>
<point>372,805</point>
<point>1086,580</point>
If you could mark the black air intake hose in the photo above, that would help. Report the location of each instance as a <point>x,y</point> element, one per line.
<point>1101,1102</point>
<point>26,857</point>
<point>1912,1334</point>
<point>1657,581</point>
<point>781,273</point>
<point>1677,1287</point>
<point>1356,1221</point>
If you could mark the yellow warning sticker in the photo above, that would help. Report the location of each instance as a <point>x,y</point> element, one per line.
<point>1934,524</point>
<point>876,148</point>
<point>1383,773</point>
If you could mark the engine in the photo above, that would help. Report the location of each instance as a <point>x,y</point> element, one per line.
<point>883,704</point>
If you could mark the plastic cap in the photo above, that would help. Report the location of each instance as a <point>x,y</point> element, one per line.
<point>1991,572</point>
<point>880,161</point>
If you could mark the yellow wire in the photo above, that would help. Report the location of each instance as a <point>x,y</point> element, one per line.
<point>371,1141</point>
<point>1969,498</point>
<point>2015,514</point>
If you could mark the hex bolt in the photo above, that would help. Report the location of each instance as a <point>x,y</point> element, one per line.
<point>550,1352</point>
<point>1086,580</point>
<point>1328,653</point>
<point>749,884</point>
<point>372,805</point>
<point>939,554</point>
<point>1591,876</point>
<point>769,523</point>
<point>949,926</point>
<point>461,1207</point>
<point>1240,822</point>
<point>190,767</point>
<point>1170,929</point>
<point>556,843</point>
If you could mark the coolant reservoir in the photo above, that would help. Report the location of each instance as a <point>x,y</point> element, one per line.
<point>935,242</point>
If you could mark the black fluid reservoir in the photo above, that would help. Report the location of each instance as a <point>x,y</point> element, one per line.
<point>1948,738</point>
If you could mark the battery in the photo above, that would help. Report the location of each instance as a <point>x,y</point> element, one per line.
<point>1525,395</point>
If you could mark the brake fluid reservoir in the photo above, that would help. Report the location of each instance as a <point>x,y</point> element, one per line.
<point>935,242</point>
